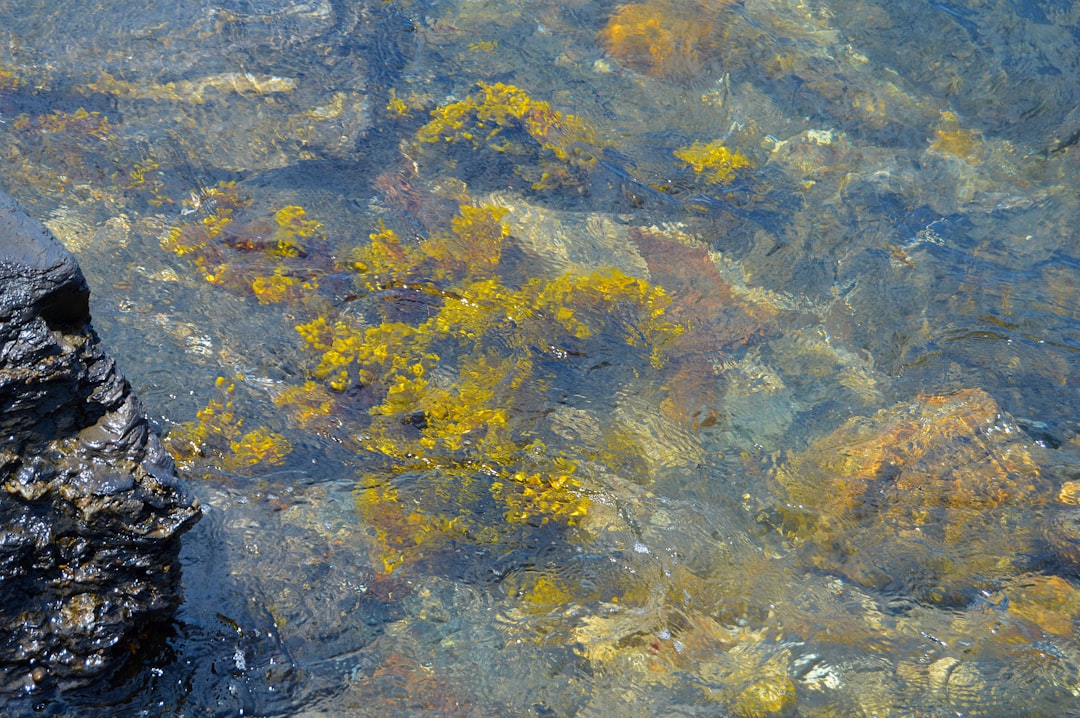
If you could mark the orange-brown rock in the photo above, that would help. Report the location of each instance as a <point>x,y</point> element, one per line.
<point>717,321</point>
<point>931,497</point>
<point>665,39</point>
<point>701,296</point>
<point>1050,602</point>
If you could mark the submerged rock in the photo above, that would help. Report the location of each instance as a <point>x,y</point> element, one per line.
<point>90,508</point>
<point>931,498</point>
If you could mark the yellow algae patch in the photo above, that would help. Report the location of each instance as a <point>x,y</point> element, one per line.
<point>474,242</point>
<point>279,287</point>
<point>193,238</point>
<point>396,106</point>
<point>484,46</point>
<point>251,256</point>
<point>215,421</point>
<point>713,161</point>
<point>447,388</point>
<point>80,122</point>
<point>505,119</point>
<point>258,446</point>
<point>308,404</point>
<point>293,225</point>
<point>572,299</point>
<point>441,398</point>
<point>553,493</point>
<point>543,595</point>
<point>9,79</point>
<point>293,221</point>
<point>217,435</point>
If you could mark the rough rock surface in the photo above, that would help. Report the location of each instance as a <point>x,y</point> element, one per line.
<point>934,496</point>
<point>90,508</point>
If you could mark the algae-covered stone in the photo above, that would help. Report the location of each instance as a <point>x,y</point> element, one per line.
<point>928,496</point>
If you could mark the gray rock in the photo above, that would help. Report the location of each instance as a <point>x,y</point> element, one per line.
<point>91,510</point>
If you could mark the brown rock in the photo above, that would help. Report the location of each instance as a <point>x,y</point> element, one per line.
<point>927,497</point>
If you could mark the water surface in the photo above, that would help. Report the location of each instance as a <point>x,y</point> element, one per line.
<point>666,358</point>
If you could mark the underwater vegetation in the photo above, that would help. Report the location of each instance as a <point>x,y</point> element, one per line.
<point>451,390</point>
<point>247,254</point>
<point>547,148</point>
<point>228,242</point>
<point>436,371</point>
<point>217,440</point>
<point>61,151</point>
<point>510,418</point>
<point>713,161</point>
<point>81,122</point>
<point>499,132</point>
<point>9,79</point>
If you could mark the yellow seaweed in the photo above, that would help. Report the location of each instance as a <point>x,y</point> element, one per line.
<point>216,438</point>
<point>228,248</point>
<point>258,446</point>
<point>9,79</point>
<point>446,387</point>
<point>80,122</point>
<point>713,161</point>
<point>292,225</point>
<point>505,119</point>
<point>279,287</point>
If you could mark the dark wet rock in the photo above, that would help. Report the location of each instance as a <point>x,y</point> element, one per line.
<point>1042,432</point>
<point>90,508</point>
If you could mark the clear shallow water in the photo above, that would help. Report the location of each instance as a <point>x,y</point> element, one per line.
<point>825,471</point>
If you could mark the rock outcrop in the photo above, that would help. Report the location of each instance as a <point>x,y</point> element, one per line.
<point>91,511</point>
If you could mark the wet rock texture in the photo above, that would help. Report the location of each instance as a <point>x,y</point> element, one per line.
<point>90,508</point>
<point>933,495</point>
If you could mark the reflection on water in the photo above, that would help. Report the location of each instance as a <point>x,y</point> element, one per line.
<point>584,358</point>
